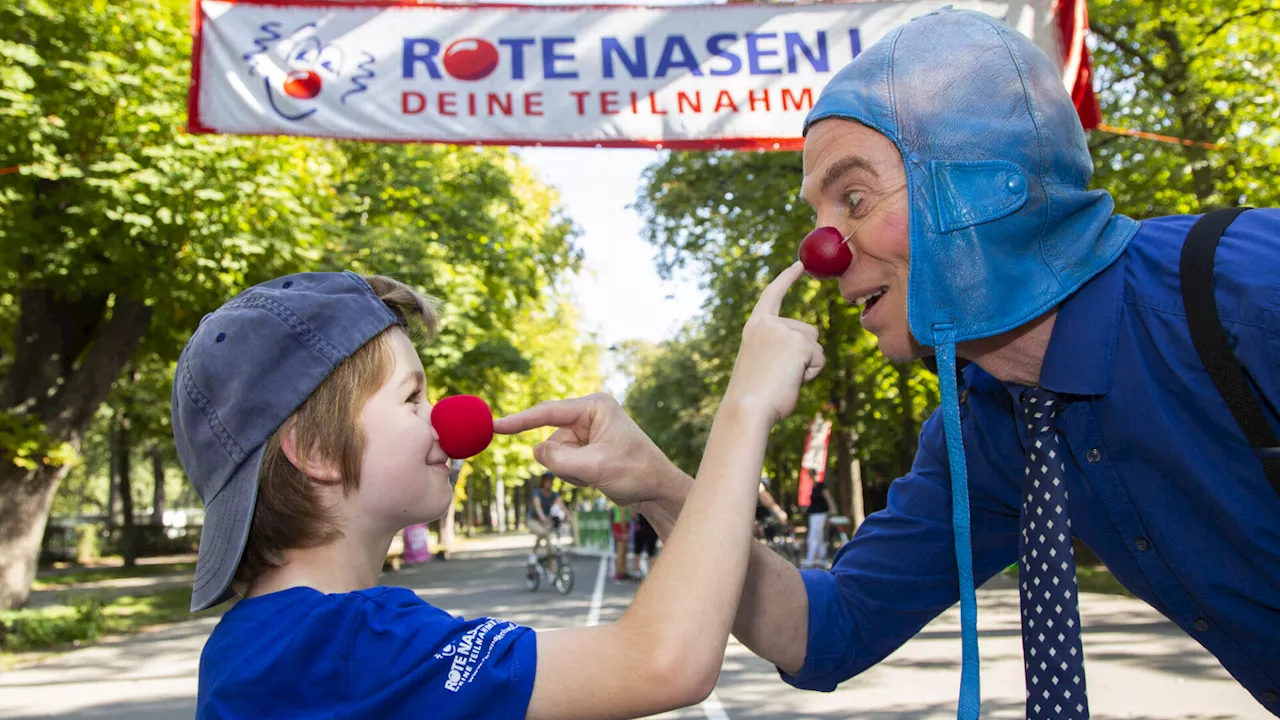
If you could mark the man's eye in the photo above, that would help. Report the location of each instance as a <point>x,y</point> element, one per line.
<point>853,199</point>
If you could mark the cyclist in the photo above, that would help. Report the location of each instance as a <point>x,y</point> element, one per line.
<point>770,517</point>
<point>541,505</point>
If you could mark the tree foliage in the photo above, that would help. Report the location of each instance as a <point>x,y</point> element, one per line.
<point>1199,70</point>
<point>119,231</point>
<point>1193,69</point>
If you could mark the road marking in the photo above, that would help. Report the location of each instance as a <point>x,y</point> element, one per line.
<point>597,595</point>
<point>712,708</point>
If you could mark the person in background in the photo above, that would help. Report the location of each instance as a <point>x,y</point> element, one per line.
<point>539,515</point>
<point>646,545</point>
<point>621,539</point>
<point>820,504</point>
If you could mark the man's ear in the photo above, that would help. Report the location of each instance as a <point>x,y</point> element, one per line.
<point>313,465</point>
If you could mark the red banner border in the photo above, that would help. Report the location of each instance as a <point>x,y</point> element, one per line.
<point>1069,29</point>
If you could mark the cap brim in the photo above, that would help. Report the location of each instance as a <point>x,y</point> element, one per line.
<point>227,519</point>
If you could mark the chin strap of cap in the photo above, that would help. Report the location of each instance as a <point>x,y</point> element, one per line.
<point>970,694</point>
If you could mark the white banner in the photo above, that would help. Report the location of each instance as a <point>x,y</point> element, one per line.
<point>705,76</point>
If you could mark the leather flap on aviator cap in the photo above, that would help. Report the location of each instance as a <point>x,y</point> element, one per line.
<point>968,193</point>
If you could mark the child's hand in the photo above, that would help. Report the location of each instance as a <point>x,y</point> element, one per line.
<point>777,354</point>
<point>597,445</point>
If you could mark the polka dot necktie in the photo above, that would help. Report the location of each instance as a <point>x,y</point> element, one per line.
<point>1051,651</point>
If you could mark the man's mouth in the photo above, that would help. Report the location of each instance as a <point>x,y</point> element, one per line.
<point>866,302</point>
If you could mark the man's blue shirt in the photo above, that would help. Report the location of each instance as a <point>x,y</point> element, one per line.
<point>1163,486</point>
<point>376,653</point>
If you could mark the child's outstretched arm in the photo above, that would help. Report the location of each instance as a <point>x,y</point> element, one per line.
<point>666,650</point>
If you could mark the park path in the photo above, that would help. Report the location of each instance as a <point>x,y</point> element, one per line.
<point>1140,665</point>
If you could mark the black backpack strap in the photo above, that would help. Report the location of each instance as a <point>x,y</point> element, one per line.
<point>1210,339</point>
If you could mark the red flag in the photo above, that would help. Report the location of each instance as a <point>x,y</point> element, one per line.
<point>1073,24</point>
<point>813,462</point>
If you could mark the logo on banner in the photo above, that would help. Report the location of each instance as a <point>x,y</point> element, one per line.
<point>470,59</point>
<point>609,75</point>
<point>298,66</point>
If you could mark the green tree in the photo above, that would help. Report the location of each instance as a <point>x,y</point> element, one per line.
<point>118,230</point>
<point>672,394</point>
<point>1201,70</point>
<point>1193,69</point>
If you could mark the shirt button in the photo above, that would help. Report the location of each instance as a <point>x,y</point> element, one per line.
<point>1142,543</point>
<point>1094,455</point>
<point>1268,697</point>
<point>1202,624</point>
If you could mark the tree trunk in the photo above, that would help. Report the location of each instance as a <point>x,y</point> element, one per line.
<point>114,517</point>
<point>857,508</point>
<point>28,494</point>
<point>66,355</point>
<point>446,532</point>
<point>1195,119</point>
<point>157,491</point>
<point>500,500</point>
<point>909,432</point>
<point>128,532</point>
<point>80,497</point>
<point>841,484</point>
<point>468,520</point>
<point>844,390</point>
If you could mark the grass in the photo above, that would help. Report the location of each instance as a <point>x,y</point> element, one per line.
<point>1089,579</point>
<point>83,617</point>
<point>54,582</point>
<point>1099,580</point>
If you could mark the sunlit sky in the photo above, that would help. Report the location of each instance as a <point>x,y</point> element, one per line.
<point>618,292</point>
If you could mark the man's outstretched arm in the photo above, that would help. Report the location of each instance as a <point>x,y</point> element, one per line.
<point>820,628</point>
<point>895,575</point>
<point>773,615</point>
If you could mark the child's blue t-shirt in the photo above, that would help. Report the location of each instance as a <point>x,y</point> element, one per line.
<point>376,653</point>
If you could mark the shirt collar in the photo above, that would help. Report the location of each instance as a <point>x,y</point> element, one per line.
<point>1081,352</point>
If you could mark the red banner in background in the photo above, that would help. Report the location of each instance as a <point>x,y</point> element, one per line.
<point>1077,71</point>
<point>813,463</point>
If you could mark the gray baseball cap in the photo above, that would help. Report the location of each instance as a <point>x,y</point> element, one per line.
<point>248,366</point>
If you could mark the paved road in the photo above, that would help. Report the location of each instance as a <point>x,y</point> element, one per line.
<point>1139,665</point>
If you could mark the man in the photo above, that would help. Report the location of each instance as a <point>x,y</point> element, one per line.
<point>820,504</point>
<point>541,504</point>
<point>951,157</point>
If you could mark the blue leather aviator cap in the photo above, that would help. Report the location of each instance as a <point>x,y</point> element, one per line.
<point>1002,227</point>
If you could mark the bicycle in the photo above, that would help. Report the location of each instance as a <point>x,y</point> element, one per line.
<point>782,539</point>
<point>837,534</point>
<point>553,565</point>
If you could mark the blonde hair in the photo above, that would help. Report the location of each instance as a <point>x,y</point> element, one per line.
<point>289,512</point>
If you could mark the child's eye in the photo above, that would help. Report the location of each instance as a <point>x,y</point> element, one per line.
<point>413,398</point>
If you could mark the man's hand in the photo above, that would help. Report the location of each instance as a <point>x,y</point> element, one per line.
<point>596,445</point>
<point>777,354</point>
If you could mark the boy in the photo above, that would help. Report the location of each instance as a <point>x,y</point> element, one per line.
<point>300,414</point>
